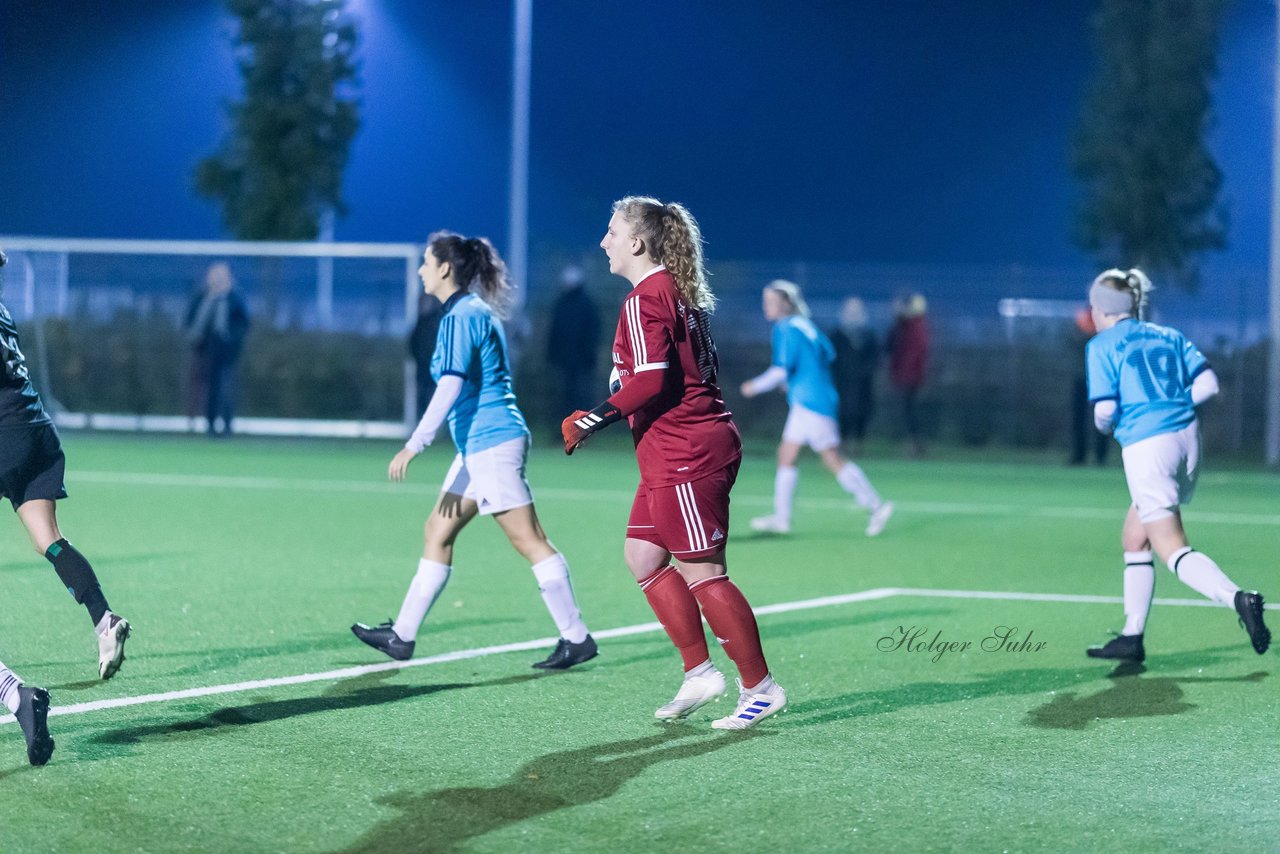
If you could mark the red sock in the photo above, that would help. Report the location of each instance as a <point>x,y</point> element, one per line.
<point>730,617</point>
<point>677,610</point>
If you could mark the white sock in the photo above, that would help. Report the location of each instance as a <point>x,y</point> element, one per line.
<point>1139,586</point>
<point>423,592</point>
<point>557,592</point>
<point>706,668</point>
<point>784,490</point>
<point>1197,571</point>
<point>766,684</point>
<point>853,481</point>
<point>9,683</point>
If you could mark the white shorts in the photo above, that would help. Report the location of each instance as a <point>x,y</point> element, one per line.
<point>806,427</point>
<point>1162,471</point>
<point>493,478</point>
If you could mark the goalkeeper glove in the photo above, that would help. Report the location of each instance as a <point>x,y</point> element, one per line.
<point>577,427</point>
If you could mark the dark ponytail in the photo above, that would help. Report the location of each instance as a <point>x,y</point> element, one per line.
<point>477,267</point>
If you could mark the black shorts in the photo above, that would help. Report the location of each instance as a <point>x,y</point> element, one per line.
<point>32,464</point>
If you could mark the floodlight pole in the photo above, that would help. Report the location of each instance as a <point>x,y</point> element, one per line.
<point>518,206</point>
<point>1273,338</point>
<point>324,272</point>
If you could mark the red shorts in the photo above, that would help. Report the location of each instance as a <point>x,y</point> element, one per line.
<point>689,520</point>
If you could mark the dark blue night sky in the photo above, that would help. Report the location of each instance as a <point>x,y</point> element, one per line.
<point>928,131</point>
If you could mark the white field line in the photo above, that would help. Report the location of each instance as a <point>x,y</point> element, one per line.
<point>1051,597</point>
<point>541,643</point>
<point>374,486</point>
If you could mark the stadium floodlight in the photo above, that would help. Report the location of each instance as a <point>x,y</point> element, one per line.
<point>518,209</point>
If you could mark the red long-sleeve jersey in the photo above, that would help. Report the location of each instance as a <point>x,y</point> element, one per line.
<point>666,362</point>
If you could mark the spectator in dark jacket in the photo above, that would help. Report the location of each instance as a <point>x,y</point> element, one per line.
<point>857,356</point>
<point>1084,435</point>
<point>908,347</point>
<point>216,323</point>
<point>422,344</point>
<point>573,344</point>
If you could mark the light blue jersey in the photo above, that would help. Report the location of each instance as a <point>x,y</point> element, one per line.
<point>1147,370</point>
<point>806,355</point>
<point>472,345</point>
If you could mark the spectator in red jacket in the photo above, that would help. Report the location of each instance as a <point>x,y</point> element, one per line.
<point>908,348</point>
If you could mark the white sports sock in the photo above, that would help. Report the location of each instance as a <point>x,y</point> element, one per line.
<point>854,481</point>
<point>423,592</point>
<point>706,668</point>
<point>9,683</point>
<point>1197,571</point>
<point>557,592</point>
<point>784,489</point>
<point>1139,586</point>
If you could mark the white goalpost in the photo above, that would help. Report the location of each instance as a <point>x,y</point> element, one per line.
<point>342,309</point>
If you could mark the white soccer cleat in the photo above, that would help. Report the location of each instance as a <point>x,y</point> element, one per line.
<point>111,645</point>
<point>754,706</point>
<point>879,518</point>
<point>771,525</point>
<point>695,693</point>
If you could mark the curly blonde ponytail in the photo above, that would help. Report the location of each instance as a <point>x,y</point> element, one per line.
<point>674,240</point>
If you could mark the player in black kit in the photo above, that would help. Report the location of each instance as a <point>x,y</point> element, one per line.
<point>31,470</point>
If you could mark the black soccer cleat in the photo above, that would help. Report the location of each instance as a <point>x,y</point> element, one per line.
<point>1121,648</point>
<point>566,654</point>
<point>1249,607</point>
<point>32,715</point>
<point>383,638</point>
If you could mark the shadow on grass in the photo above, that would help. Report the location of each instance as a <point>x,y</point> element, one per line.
<point>82,685</point>
<point>445,820</point>
<point>353,693</point>
<point>338,639</point>
<point>36,563</point>
<point>899,525</point>
<point>24,768</point>
<point>1130,695</point>
<point>774,630</point>
<point>1013,683</point>
<point>206,659</point>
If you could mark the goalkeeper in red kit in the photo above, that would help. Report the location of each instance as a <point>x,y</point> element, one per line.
<point>688,450</point>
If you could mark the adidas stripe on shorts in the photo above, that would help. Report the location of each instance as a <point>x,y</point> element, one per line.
<point>690,520</point>
<point>494,478</point>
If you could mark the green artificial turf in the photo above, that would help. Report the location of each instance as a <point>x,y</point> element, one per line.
<point>248,559</point>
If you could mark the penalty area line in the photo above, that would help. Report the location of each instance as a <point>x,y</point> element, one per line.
<point>457,655</point>
<point>541,643</point>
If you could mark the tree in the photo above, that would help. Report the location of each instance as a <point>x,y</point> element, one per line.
<point>1151,185</point>
<point>281,166</point>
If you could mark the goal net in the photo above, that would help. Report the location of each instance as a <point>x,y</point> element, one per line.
<point>102,325</point>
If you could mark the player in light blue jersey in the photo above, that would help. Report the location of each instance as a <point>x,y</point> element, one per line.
<point>473,391</point>
<point>1145,382</point>
<point>802,358</point>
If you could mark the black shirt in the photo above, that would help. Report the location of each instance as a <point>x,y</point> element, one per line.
<point>20,405</point>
